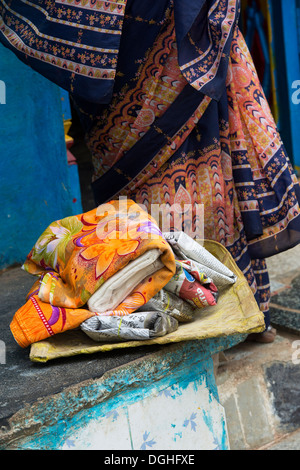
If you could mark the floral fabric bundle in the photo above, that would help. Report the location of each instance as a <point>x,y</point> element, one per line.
<point>76,256</point>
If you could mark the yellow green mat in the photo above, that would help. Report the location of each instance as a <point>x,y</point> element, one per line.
<point>236,312</point>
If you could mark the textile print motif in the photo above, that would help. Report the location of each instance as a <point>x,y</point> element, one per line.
<point>73,43</point>
<point>75,256</point>
<point>265,183</point>
<point>204,50</point>
<point>211,175</point>
<point>136,110</point>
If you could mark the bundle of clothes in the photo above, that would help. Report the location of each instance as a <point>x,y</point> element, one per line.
<point>112,273</point>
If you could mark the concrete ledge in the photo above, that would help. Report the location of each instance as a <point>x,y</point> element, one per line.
<point>259,387</point>
<point>87,401</point>
<point>171,392</point>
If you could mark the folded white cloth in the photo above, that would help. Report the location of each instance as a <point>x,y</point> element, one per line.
<point>185,247</point>
<point>121,284</point>
<point>136,326</point>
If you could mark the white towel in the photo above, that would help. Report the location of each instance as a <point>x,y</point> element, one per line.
<point>121,284</point>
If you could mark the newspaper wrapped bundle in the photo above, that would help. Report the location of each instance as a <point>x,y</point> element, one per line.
<point>192,285</point>
<point>169,303</point>
<point>136,326</point>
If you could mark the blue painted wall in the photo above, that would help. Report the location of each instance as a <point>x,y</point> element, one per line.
<point>35,181</point>
<point>292,65</point>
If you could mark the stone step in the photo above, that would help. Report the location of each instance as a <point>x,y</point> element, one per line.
<point>285,307</point>
<point>259,387</point>
<point>284,271</point>
<point>288,442</point>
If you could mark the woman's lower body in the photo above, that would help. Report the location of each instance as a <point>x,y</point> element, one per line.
<point>225,155</point>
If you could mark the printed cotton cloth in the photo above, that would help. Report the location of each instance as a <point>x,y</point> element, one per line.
<point>76,256</point>
<point>75,43</point>
<point>193,286</point>
<point>133,327</point>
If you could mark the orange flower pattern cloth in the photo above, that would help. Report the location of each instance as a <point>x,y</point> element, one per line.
<point>75,256</point>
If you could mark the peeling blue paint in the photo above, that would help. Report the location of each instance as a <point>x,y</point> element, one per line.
<point>222,444</point>
<point>164,375</point>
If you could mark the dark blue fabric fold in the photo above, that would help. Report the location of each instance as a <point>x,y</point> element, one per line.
<point>185,14</point>
<point>204,30</point>
<point>73,44</point>
<point>77,46</point>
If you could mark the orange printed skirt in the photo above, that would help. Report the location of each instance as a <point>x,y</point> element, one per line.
<point>163,142</point>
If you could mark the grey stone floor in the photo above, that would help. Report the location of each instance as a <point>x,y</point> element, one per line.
<point>288,442</point>
<point>259,387</point>
<point>284,271</point>
<point>283,268</point>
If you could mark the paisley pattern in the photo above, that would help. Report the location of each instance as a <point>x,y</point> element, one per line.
<point>134,112</point>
